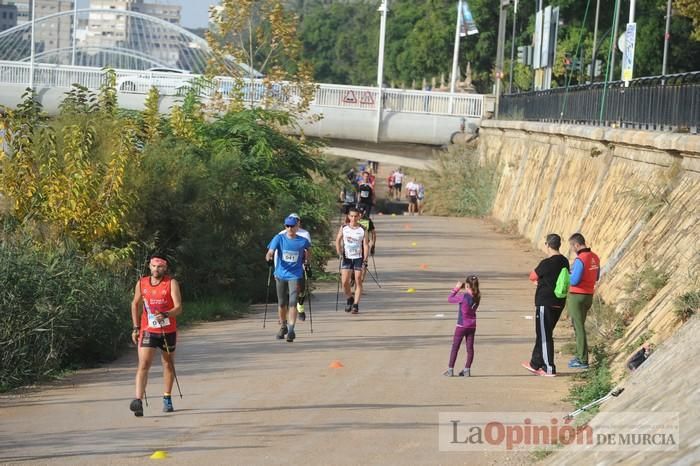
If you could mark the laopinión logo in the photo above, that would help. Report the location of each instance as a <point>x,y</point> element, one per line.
<point>608,431</point>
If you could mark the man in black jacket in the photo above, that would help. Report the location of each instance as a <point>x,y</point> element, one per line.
<point>548,307</point>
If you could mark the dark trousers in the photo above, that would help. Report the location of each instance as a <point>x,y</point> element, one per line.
<point>546,319</point>
<point>466,334</point>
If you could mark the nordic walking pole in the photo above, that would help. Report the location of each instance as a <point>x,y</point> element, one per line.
<point>167,348</point>
<point>337,293</point>
<point>267,293</point>
<point>613,393</point>
<point>374,263</point>
<point>308,295</point>
<point>373,277</point>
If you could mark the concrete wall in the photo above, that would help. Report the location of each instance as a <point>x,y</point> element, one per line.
<point>634,195</point>
<point>337,123</point>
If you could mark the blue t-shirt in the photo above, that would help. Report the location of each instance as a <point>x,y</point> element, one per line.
<point>290,254</point>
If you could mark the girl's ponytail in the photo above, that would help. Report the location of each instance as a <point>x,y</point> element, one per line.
<point>473,282</point>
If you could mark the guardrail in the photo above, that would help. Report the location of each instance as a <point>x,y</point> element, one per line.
<point>667,103</point>
<point>171,83</point>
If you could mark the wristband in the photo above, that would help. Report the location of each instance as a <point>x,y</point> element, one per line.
<point>165,314</point>
<point>135,329</point>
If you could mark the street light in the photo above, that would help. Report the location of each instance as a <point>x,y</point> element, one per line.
<point>383,9</point>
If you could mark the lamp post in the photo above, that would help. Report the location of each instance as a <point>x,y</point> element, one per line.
<point>31,54</point>
<point>512,48</point>
<point>75,30</point>
<point>383,9</point>
<point>667,37</point>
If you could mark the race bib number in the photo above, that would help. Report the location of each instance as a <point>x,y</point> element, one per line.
<point>153,322</point>
<point>290,256</point>
<point>353,251</point>
<point>364,194</point>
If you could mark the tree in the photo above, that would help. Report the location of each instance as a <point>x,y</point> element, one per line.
<point>259,38</point>
<point>690,9</point>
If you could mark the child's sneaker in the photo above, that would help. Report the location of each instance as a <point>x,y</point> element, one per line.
<point>449,373</point>
<point>464,372</point>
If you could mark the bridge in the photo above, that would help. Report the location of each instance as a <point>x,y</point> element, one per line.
<point>349,112</point>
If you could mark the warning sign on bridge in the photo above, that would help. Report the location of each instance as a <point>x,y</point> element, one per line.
<point>349,97</point>
<point>367,98</point>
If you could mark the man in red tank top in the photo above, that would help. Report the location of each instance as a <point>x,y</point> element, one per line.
<point>155,326</point>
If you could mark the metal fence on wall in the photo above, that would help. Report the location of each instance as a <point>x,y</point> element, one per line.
<point>655,103</point>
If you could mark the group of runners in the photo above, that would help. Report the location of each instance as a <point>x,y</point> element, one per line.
<point>157,300</point>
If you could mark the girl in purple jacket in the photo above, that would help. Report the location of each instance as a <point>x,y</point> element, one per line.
<point>468,302</point>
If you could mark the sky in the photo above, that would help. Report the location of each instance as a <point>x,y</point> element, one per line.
<point>194,12</point>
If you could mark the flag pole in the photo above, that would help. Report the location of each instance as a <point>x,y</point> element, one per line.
<point>455,57</point>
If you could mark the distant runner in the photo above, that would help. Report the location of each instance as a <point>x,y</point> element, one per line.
<point>352,247</point>
<point>156,328</point>
<point>398,183</point>
<point>421,198</point>
<point>412,193</point>
<point>348,197</point>
<point>294,254</point>
<point>390,185</point>
<point>366,197</point>
<point>371,231</point>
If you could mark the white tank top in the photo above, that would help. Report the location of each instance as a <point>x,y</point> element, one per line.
<point>352,241</point>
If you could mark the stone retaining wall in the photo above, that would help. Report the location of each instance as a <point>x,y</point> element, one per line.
<point>633,194</point>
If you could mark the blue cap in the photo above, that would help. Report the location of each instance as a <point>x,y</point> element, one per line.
<point>290,221</point>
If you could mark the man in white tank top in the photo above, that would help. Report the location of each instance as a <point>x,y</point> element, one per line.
<point>352,247</point>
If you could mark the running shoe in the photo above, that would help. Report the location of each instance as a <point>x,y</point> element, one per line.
<point>300,311</point>
<point>543,373</point>
<point>291,336</point>
<point>448,373</point>
<point>577,364</point>
<point>349,303</point>
<point>527,366</point>
<point>464,373</point>
<point>168,404</point>
<point>355,309</point>
<point>137,407</point>
<point>282,332</point>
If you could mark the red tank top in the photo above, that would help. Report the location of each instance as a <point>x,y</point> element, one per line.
<point>157,298</point>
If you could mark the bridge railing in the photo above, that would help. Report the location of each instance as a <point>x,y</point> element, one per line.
<point>654,103</point>
<point>327,95</point>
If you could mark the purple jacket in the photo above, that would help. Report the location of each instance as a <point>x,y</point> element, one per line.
<point>466,311</point>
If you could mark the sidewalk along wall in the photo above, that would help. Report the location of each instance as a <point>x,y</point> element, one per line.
<point>633,194</point>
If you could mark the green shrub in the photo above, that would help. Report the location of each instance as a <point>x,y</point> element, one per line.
<point>595,382</point>
<point>641,287</point>
<point>57,311</point>
<point>215,204</point>
<point>460,184</point>
<point>687,305</point>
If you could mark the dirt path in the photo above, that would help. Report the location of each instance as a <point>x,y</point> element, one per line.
<point>250,399</point>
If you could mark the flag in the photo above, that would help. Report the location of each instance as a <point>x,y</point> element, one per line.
<point>467,25</point>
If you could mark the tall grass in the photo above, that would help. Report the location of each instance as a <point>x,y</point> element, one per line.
<point>57,311</point>
<point>461,184</point>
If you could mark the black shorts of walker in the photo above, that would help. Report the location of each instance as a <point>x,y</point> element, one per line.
<point>351,264</point>
<point>157,340</point>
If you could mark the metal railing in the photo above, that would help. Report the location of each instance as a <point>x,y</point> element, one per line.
<point>327,95</point>
<point>668,103</point>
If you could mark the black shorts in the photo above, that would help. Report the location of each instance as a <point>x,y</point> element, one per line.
<point>413,199</point>
<point>398,186</point>
<point>157,340</point>
<point>352,264</point>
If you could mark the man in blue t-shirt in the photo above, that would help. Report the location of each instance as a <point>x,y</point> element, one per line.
<point>293,253</point>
